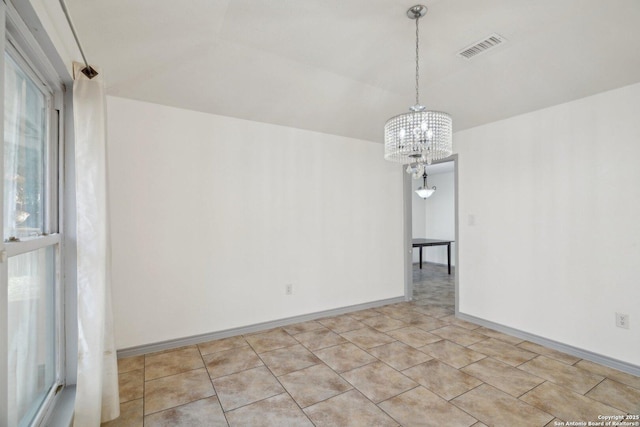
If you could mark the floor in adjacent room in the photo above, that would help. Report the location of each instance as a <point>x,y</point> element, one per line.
<point>409,364</point>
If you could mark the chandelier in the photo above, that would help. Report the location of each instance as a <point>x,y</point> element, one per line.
<point>424,191</point>
<point>419,136</point>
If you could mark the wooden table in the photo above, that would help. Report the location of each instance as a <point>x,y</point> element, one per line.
<point>421,243</point>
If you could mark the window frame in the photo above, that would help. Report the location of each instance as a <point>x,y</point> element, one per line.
<point>50,218</point>
<point>27,53</point>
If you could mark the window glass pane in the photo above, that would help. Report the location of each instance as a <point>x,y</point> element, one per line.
<point>31,332</point>
<point>24,153</point>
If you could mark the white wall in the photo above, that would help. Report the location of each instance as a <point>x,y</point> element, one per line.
<point>555,198</point>
<point>212,216</point>
<point>434,217</point>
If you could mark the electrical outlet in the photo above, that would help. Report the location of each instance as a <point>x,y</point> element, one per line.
<point>622,320</point>
<point>288,289</point>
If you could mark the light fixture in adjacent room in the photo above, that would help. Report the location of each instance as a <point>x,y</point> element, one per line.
<point>419,136</point>
<point>425,191</point>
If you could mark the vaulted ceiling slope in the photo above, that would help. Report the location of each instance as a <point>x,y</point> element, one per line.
<point>345,66</point>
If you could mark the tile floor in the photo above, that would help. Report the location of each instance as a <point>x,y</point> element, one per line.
<point>409,364</point>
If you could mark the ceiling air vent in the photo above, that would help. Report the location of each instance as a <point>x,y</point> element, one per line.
<point>482,46</point>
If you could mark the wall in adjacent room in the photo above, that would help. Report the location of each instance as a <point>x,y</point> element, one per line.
<point>418,216</point>
<point>212,216</point>
<point>549,222</point>
<point>434,217</point>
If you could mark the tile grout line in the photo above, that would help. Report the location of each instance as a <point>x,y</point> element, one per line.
<point>278,379</point>
<point>451,401</point>
<point>377,405</point>
<point>534,406</point>
<point>605,403</point>
<point>391,416</point>
<point>411,308</point>
<point>366,350</point>
<point>204,363</point>
<point>353,387</point>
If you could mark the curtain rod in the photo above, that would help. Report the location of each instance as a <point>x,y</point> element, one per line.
<point>87,70</point>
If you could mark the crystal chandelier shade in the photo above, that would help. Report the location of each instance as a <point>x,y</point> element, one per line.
<point>419,136</point>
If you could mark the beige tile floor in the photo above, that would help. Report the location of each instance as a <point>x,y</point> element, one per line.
<point>409,364</point>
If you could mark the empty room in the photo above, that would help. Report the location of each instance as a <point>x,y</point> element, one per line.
<point>320,213</point>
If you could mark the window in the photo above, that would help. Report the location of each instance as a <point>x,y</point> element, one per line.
<point>25,146</point>
<point>32,240</point>
<point>32,349</point>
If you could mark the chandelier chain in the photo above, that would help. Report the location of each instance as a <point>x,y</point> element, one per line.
<point>417,62</point>
<point>419,137</point>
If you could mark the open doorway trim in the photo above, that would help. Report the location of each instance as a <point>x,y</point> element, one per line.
<point>408,231</point>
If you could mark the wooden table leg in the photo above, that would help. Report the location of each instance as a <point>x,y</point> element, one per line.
<point>449,257</point>
<point>420,257</point>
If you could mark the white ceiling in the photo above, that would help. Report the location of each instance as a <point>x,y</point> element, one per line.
<point>345,66</point>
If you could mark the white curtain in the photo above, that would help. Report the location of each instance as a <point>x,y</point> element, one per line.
<point>97,397</point>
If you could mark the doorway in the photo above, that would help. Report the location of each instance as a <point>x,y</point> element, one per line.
<point>433,223</point>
